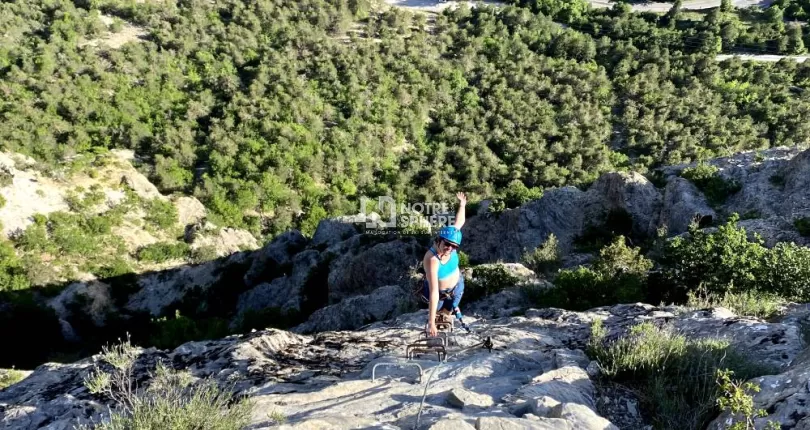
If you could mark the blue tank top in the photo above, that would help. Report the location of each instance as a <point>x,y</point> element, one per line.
<point>447,269</point>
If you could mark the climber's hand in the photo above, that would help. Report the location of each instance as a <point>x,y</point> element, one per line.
<point>432,329</point>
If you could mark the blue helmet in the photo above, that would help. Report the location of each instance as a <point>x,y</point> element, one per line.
<point>451,234</point>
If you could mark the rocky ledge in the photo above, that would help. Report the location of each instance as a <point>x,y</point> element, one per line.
<point>536,377</point>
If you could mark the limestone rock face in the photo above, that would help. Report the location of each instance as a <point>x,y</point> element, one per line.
<point>506,237</point>
<point>269,261</point>
<point>354,312</point>
<point>631,193</point>
<point>683,203</point>
<point>536,377</point>
<point>284,292</point>
<point>362,268</point>
<point>335,230</point>
<point>189,210</point>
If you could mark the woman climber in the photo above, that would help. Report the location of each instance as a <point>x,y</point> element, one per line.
<point>444,284</point>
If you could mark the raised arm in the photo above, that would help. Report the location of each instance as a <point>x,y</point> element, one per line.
<point>461,213</point>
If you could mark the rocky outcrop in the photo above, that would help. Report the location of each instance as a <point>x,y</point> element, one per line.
<point>629,193</point>
<point>360,268</point>
<point>355,312</point>
<point>270,261</point>
<point>284,292</point>
<point>774,192</point>
<point>535,377</point>
<point>189,210</point>
<point>508,236</point>
<point>335,230</point>
<point>18,186</point>
<point>683,204</point>
<point>224,241</point>
<point>784,396</point>
<point>92,299</point>
<point>157,291</point>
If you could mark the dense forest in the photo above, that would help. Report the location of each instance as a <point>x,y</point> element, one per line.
<point>278,114</point>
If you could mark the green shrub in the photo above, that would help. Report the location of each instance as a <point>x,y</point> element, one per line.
<point>673,375</point>
<point>463,260</point>
<point>720,261</point>
<point>619,275</point>
<point>488,280</point>
<point>12,272</point>
<point>171,333</point>
<point>803,226</point>
<point>736,400</point>
<point>748,303</point>
<point>163,251</point>
<point>70,233</point>
<point>171,400</point>
<point>118,267</point>
<point>79,201</point>
<point>708,180</point>
<point>517,194</point>
<point>203,254</point>
<point>496,206</point>
<point>161,214</point>
<point>2,201</point>
<point>546,258</point>
<point>10,377</point>
<point>785,270</point>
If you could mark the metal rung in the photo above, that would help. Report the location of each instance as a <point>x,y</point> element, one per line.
<point>374,369</point>
<point>423,346</point>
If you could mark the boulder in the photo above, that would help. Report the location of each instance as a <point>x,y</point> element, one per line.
<point>284,292</point>
<point>682,204</point>
<point>772,231</point>
<point>225,241</point>
<point>784,396</point>
<point>354,312</point>
<point>140,185</point>
<point>466,399</point>
<point>498,423</point>
<point>766,343</point>
<point>581,417</point>
<point>334,230</point>
<point>189,210</point>
<point>508,236</point>
<point>627,192</point>
<point>453,424</point>
<point>88,298</point>
<point>542,406</point>
<point>522,273</point>
<point>796,195</point>
<point>564,357</point>
<point>364,267</point>
<point>270,261</point>
<point>565,385</point>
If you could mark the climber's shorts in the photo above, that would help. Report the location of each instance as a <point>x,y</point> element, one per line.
<point>449,299</point>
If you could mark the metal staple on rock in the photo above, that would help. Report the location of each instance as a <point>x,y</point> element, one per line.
<point>487,343</point>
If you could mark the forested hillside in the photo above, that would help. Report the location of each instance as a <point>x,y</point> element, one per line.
<point>276,114</point>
